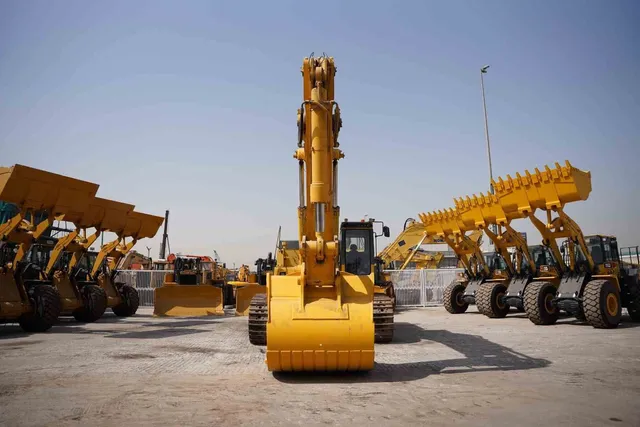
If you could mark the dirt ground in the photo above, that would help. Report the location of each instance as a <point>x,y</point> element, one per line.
<point>441,369</point>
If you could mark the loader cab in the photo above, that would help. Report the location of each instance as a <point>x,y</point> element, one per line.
<point>357,247</point>
<point>546,264</point>
<point>605,254</point>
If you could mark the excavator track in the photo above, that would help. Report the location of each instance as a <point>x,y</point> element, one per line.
<point>258,320</point>
<point>382,318</point>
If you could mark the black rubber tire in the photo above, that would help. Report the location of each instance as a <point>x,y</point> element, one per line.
<point>382,318</point>
<point>489,300</point>
<point>46,307</point>
<point>94,304</point>
<point>258,314</point>
<point>537,303</point>
<point>130,302</point>
<point>452,298</point>
<point>595,303</point>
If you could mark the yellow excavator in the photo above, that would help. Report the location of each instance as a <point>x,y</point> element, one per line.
<point>405,249</point>
<point>319,316</point>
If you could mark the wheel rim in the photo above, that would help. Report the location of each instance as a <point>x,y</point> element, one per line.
<point>612,304</point>
<point>459,300</point>
<point>548,303</point>
<point>499,301</point>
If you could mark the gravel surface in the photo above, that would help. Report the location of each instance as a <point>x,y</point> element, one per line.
<point>440,369</point>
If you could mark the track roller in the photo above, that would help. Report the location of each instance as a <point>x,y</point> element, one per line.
<point>383,318</point>
<point>258,320</point>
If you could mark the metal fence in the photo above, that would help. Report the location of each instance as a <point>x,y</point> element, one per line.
<point>414,288</point>
<point>421,288</point>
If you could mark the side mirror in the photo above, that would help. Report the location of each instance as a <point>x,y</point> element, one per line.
<point>385,231</point>
<point>561,249</point>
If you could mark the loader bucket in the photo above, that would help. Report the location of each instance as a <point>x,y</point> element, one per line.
<point>175,300</point>
<point>104,214</point>
<point>320,328</point>
<point>141,225</point>
<point>548,189</point>
<point>244,295</point>
<point>39,190</point>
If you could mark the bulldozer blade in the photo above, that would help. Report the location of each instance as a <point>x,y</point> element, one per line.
<point>245,294</point>
<point>187,301</point>
<point>298,330</point>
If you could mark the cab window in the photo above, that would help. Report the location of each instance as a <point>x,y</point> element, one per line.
<point>357,251</point>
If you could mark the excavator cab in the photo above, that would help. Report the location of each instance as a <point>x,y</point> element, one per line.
<point>357,256</point>
<point>357,248</point>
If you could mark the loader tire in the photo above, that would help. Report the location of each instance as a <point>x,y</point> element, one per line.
<point>382,318</point>
<point>601,304</point>
<point>130,302</point>
<point>538,304</point>
<point>258,320</point>
<point>45,309</point>
<point>490,300</point>
<point>452,298</point>
<point>94,304</point>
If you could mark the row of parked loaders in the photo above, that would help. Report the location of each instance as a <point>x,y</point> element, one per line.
<point>582,276</point>
<point>45,274</point>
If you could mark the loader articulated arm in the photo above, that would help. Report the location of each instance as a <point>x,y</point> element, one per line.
<point>549,190</point>
<point>448,225</point>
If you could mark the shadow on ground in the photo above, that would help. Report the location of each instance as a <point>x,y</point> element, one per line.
<point>479,353</point>
<point>163,327</point>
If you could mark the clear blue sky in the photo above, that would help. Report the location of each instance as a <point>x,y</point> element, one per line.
<point>190,106</point>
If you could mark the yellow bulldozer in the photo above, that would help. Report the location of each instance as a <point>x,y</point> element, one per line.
<point>194,288</point>
<point>319,316</point>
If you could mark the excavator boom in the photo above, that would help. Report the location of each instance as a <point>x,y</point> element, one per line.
<point>320,316</point>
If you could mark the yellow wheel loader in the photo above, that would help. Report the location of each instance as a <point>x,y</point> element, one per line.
<point>593,285</point>
<point>24,296</point>
<point>452,227</point>
<point>249,285</point>
<point>319,316</point>
<point>121,219</point>
<point>69,266</point>
<point>191,290</point>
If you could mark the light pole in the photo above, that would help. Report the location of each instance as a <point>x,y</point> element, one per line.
<point>483,70</point>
